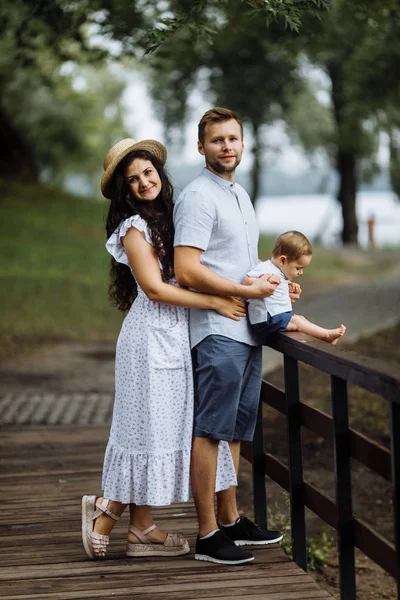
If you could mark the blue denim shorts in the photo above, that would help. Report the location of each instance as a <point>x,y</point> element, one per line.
<point>227,388</point>
<point>272,325</point>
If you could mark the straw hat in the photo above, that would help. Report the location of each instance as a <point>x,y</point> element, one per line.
<point>119,151</point>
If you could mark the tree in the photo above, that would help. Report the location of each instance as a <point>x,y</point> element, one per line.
<point>379,87</point>
<point>253,70</point>
<point>341,45</point>
<point>248,66</point>
<point>200,17</point>
<point>36,38</point>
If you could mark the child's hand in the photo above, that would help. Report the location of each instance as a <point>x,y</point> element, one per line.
<point>294,291</point>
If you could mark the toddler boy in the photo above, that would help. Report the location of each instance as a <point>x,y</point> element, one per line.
<point>291,254</point>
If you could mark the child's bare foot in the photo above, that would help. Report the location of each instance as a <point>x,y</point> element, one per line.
<point>335,334</point>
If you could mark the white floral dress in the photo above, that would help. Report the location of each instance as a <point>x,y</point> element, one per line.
<point>147,459</point>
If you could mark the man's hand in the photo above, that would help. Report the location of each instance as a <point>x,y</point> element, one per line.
<point>294,291</point>
<point>271,278</point>
<point>261,286</point>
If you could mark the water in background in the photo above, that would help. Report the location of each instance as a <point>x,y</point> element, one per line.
<point>319,216</point>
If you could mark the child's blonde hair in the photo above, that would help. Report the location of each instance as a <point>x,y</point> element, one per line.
<point>293,245</point>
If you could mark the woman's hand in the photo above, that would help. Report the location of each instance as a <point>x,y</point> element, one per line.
<point>230,307</point>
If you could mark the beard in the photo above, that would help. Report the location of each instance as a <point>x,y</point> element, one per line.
<point>220,168</point>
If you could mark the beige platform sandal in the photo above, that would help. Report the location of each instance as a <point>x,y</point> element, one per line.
<point>94,543</point>
<point>174,545</point>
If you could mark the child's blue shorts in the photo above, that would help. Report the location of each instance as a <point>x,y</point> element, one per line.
<point>272,325</point>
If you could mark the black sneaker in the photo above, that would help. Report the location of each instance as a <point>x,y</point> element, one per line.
<point>245,532</point>
<point>220,549</point>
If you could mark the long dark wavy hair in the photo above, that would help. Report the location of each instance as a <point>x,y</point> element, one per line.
<point>158,216</point>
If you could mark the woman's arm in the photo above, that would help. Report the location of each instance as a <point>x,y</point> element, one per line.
<point>145,267</point>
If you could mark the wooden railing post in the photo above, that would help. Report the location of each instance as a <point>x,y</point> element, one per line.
<point>295,462</point>
<point>395,446</point>
<point>259,493</point>
<point>342,462</point>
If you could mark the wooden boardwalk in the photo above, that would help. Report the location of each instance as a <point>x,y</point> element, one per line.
<point>44,471</point>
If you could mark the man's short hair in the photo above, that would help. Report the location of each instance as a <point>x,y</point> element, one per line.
<point>293,245</point>
<point>216,115</point>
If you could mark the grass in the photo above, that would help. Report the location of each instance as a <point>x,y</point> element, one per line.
<point>53,268</point>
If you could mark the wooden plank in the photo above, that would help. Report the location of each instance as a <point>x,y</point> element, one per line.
<point>259,595</point>
<point>75,555</point>
<point>41,555</point>
<point>215,594</point>
<point>88,585</point>
<point>183,577</point>
<point>156,566</point>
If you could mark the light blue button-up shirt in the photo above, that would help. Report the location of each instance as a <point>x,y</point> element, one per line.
<point>217,216</point>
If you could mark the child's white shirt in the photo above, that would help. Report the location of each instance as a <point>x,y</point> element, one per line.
<point>278,303</point>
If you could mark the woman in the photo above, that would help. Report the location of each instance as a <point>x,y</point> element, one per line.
<point>148,454</point>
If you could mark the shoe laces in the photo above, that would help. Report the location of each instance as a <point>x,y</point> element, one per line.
<point>248,523</point>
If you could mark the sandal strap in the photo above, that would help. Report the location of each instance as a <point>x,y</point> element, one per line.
<point>141,535</point>
<point>99,542</point>
<point>146,531</point>
<point>175,540</point>
<point>102,508</point>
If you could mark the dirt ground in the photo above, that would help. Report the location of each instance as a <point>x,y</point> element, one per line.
<point>89,367</point>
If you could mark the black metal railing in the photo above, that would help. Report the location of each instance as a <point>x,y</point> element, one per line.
<point>344,367</point>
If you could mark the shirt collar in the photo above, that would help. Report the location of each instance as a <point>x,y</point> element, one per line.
<point>281,272</point>
<point>217,178</point>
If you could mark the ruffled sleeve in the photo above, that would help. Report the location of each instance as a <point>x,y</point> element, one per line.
<point>114,244</point>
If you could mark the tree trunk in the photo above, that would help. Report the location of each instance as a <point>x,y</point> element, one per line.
<point>16,159</point>
<point>394,137</point>
<point>255,173</point>
<point>346,158</point>
<point>347,167</point>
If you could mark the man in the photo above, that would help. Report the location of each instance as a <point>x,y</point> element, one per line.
<point>216,238</point>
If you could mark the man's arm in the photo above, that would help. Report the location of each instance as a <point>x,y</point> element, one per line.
<point>191,273</point>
